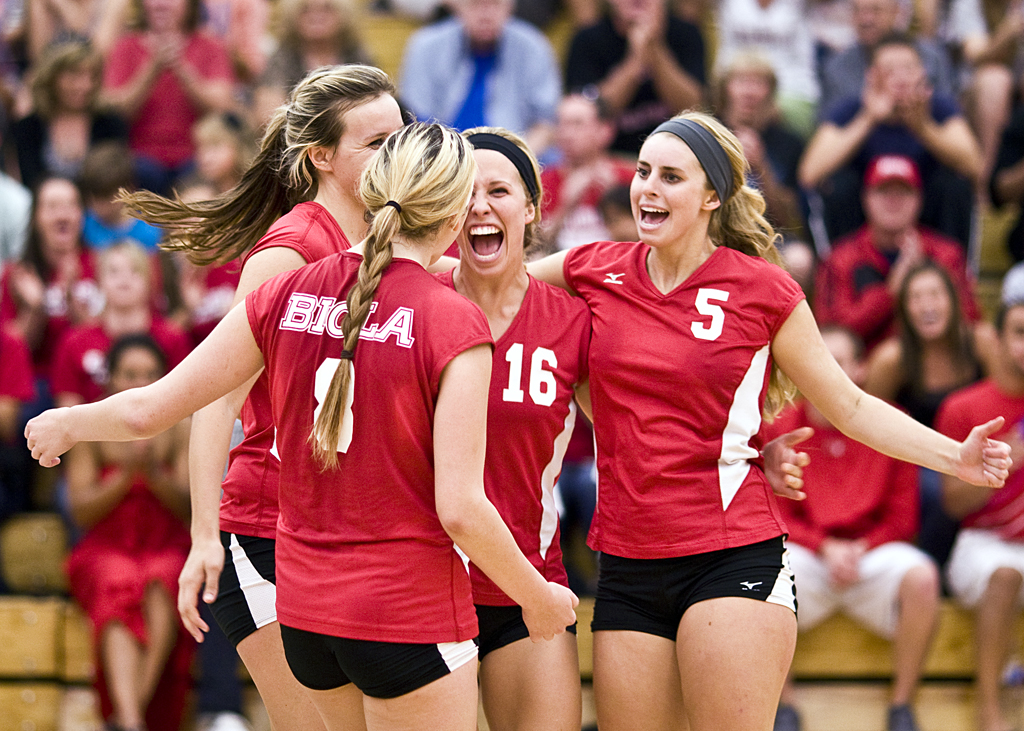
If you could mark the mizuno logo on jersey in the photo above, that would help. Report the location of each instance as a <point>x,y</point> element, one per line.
<point>610,278</point>
<point>316,315</point>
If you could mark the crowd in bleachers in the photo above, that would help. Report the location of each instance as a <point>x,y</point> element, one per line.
<point>879,132</point>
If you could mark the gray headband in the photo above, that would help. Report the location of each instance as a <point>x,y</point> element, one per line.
<point>709,152</point>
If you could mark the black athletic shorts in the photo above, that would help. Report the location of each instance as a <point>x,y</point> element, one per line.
<point>651,595</point>
<point>378,669</point>
<point>500,626</point>
<point>247,597</point>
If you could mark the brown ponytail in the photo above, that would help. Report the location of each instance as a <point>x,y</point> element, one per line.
<point>280,176</point>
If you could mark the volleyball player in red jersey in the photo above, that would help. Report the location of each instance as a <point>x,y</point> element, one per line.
<point>312,155</point>
<point>693,329</point>
<point>541,336</point>
<point>386,450</point>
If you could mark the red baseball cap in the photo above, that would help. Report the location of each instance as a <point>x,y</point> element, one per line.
<point>888,168</point>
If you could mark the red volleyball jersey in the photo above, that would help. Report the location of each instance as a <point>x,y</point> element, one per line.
<point>249,502</point>
<point>530,417</point>
<point>360,550</point>
<point>677,384</point>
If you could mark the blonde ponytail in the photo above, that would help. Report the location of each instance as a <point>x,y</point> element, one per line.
<point>421,177</point>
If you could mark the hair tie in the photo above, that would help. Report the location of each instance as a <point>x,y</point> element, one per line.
<point>515,155</point>
<point>394,204</point>
<point>347,355</point>
<point>710,154</point>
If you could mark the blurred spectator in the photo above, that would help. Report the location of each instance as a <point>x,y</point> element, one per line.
<point>59,21</point>
<point>131,499</point>
<point>224,148</point>
<point>844,74</point>
<point>896,113</point>
<point>163,78</point>
<point>79,368</point>
<point>12,41</point>
<point>310,34</point>
<point>15,211</point>
<point>617,214</point>
<point>745,95</point>
<point>107,170</point>
<point>483,68</point>
<point>831,24</point>
<point>17,388</point>
<point>850,543</point>
<point>986,567</point>
<point>65,121</point>
<point>647,65</point>
<point>1007,182</point>
<point>204,293</point>
<point>857,285</point>
<point>933,355</point>
<point>988,37</point>
<point>52,286</point>
<point>241,26</point>
<point>778,31</point>
<point>573,187</point>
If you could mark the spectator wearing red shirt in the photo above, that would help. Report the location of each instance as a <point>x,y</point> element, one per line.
<point>79,368</point>
<point>986,567</point>
<point>850,542</point>
<point>574,186</point>
<point>858,283</point>
<point>163,78</point>
<point>52,286</point>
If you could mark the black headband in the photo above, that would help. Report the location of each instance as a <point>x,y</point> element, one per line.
<point>515,154</point>
<point>708,150</point>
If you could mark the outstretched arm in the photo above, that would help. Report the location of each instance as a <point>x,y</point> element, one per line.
<point>802,355</point>
<point>221,363</point>
<point>549,269</point>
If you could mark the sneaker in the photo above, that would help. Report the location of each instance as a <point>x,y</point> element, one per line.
<point>222,722</point>
<point>786,718</point>
<point>901,718</point>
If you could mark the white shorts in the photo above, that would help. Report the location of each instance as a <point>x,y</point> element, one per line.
<point>976,555</point>
<point>872,601</point>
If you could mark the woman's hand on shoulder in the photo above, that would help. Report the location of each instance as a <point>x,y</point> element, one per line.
<point>982,460</point>
<point>551,613</point>
<point>784,466</point>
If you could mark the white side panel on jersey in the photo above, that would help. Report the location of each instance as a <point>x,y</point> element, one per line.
<point>549,509</point>
<point>463,556</point>
<point>260,595</point>
<point>744,422</point>
<point>273,449</point>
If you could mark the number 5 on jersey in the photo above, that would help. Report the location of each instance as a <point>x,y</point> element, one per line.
<point>716,313</point>
<point>542,382</point>
<point>324,374</point>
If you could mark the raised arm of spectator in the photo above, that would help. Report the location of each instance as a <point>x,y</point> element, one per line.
<point>834,145</point>
<point>951,141</point>
<point>126,94</point>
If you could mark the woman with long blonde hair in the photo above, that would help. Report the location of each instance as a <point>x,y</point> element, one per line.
<point>698,334</point>
<point>298,202</point>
